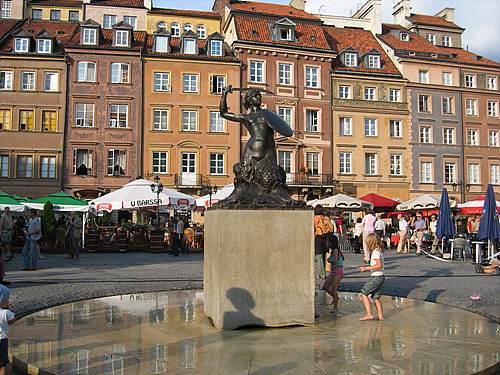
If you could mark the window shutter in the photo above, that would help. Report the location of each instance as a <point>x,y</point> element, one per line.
<point>74,161</point>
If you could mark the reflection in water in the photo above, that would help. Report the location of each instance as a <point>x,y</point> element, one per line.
<point>166,333</point>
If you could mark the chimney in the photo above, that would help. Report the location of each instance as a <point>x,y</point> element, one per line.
<point>447,13</point>
<point>148,4</point>
<point>298,4</point>
<point>401,10</point>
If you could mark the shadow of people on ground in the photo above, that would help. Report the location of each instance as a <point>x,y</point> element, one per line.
<point>244,303</point>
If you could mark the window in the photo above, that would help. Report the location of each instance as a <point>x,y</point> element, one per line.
<point>471,107</point>
<point>89,36</point>
<point>161,81</point>
<point>160,119</point>
<point>6,80</point>
<point>473,137</point>
<point>312,118</point>
<point>494,139</point>
<point>312,161</point>
<point>117,162</point>
<point>160,162</point>
<point>84,115</point>
<point>351,59</point>
<point>175,30</point>
<point>447,79</point>
<point>28,81</point>
<point>286,34</point>
<point>370,127</point>
<point>5,10</point>
<point>370,93</point>
<point>374,61</point>
<point>405,37</point>
<point>118,116</point>
<point>346,126</point>
<point>27,121</point>
<point>495,174</point>
<point>217,164</point>
<point>256,71</point>
<point>344,92</point>
<point>312,76</point>
<point>423,76</point>
<point>473,173</point>
<point>55,15</point>
<point>426,172</point>
<point>120,73</point>
<point>201,31</point>
<point>450,173</point>
<point>424,103</point>
<point>82,162</point>
<point>395,129</point>
<point>189,46</point>
<point>470,80</point>
<point>217,84</point>
<point>74,15</point>
<point>189,82</point>
<point>189,121</point>
<point>49,121</point>
<point>396,165</point>
<point>449,136</point>
<point>216,47</point>
<point>285,74</point>
<point>395,95</point>
<point>446,41</point>
<point>36,14</point>
<point>25,166</point>
<point>161,43</point>
<point>131,20</point>
<point>4,165</point>
<point>86,71</point>
<point>345,159</point>
<point>188,27</point>
<point>447,105</point>
<point>5,119</point>
<point>285,161</point>
<point>431,38</point>
<point>425,134</point>
<point>492,108</point>
<point>286,114</point>
<point>216,122</point>
<point>48,167</point>
<point>370,164</point>
<point>492,83</point>
<point>51,81</point>
<point>108,21</point>
<point>44,45</point>
<point>22,45</point>
<point>122,38</point>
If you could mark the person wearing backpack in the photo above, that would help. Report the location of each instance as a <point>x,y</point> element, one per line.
<point>322,228</point>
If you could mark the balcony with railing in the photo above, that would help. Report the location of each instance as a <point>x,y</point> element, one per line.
<point>190,180</point>
<point>305,179</point>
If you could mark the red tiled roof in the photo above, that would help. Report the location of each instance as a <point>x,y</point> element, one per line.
<point>272,9</point>
<point>466,57</point>
<point>187,13</point>
<point>363,41</point>
<point>106,41</point>
<point>58,3</point>
<point>423,19</point>
<point>6,26</point>
<point>119,3</point>
<point>258,30</point>
<point>416,43</point>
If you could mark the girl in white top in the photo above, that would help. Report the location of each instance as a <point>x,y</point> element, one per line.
<point>373,287</point>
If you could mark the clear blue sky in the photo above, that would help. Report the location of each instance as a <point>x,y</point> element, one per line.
<point>478,17</point>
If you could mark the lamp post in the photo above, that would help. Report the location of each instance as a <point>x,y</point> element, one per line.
<point>464,187</point>
<point>210,190</point>
<point>157,188</point>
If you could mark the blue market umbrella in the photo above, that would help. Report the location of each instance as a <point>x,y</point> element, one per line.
<point>445,226</point>
<point>489,227</point>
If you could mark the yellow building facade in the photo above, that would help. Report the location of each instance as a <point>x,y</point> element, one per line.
<point>202,23</point>
<point>56,12</point>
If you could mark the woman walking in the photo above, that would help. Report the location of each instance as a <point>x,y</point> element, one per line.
<point>332,282</point>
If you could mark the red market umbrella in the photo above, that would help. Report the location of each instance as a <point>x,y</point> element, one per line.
<point>379,202</point>
<point>475,206</point>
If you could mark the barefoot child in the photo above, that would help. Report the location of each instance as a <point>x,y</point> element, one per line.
<point>373,287</point>
<point>6,318</point>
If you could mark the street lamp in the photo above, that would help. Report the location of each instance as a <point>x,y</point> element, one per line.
<point>464,187</point>
<point>157,188</point>
<point>210,190</point>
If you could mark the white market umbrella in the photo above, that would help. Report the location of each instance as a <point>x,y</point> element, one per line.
<point>312,202</point>
<point>423,202</point>
<point>221,194</point>
<point>344,202</point>
<point>475,207</point>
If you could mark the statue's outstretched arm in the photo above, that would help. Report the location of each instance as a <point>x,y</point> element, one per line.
<point>223,107</point>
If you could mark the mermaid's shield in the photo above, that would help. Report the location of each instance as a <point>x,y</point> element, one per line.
<point>277,123</point>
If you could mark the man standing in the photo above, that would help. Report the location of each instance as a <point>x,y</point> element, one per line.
<point>74,234</point>
<point>6,232</point>
<point>433,228</point>
<point>33,234</point>
<point>403,227</point>
<point>420,228</point>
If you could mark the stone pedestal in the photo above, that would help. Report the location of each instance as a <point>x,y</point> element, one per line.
<point>259,268</point>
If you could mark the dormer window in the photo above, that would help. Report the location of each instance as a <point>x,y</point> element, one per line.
<point>283,29</point>
<point>216,47</point>
<point>189,46</point>
<point>161,44</point>
<point>286,34</point>
<point>405,37</point>
<point>122,38</point>
<point>44,46</point>
<point>351,59</point>
<point>374,61</point>
<point>175,30</point>
<point>22,45</point>
<point>89,36</point>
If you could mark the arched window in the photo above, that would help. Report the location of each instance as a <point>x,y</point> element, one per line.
<point>201,30</point>
<point>188,27</point>
<point>161,25</point>
<point>175,29</point>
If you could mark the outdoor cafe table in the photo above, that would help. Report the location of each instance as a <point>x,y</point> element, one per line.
<point>478,249</point>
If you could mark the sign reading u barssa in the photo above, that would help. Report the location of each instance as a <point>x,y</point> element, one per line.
<point>146,202</point>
